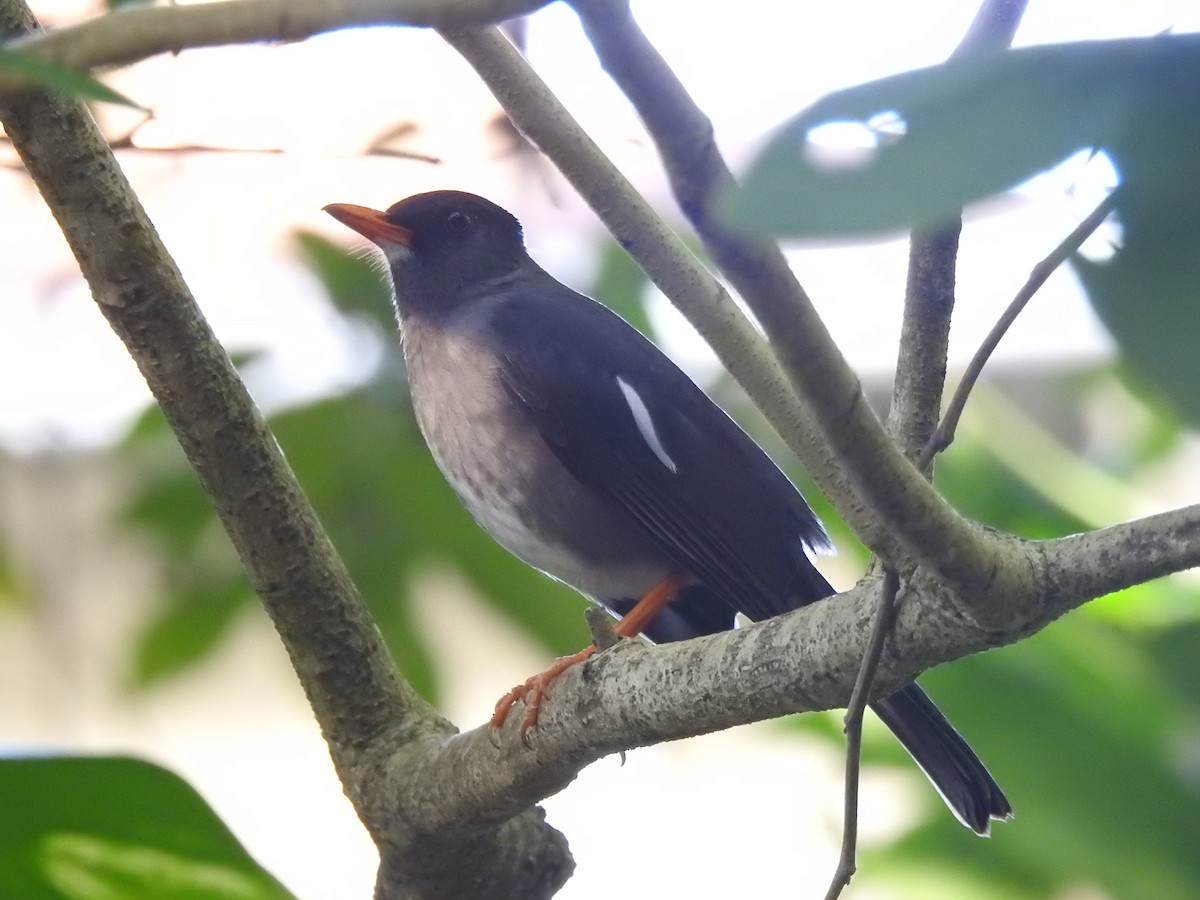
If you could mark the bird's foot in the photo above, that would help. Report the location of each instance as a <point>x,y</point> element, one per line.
<point>532,691</point>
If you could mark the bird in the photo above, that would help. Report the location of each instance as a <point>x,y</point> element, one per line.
<point>585,452</point>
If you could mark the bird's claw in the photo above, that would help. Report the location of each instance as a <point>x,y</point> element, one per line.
<point>531,691</point>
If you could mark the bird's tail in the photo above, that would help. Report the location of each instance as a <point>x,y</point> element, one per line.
<point>952,766</point>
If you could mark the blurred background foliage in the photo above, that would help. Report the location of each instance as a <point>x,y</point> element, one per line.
<point>1092,726</point>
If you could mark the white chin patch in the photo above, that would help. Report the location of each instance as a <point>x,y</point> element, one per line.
<point>396,253</point>
<point>645,425</point>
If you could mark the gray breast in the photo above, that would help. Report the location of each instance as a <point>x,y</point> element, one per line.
<point>507,477</point>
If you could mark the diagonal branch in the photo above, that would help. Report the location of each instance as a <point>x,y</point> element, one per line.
<point>899,509</point>
<point>367,713</point>
<point>634,695</point>
<point>881,627</point>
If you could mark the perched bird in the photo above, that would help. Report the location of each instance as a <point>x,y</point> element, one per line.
<point>585,452</point>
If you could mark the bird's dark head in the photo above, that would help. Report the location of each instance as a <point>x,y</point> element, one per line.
<point>442,246</point>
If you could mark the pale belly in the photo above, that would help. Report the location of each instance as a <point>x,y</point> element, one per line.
<point>513,485</point>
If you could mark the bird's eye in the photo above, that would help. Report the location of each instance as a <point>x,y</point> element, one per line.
<point>459,222</point>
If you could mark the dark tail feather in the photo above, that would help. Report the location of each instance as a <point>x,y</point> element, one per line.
<point>945,758</point>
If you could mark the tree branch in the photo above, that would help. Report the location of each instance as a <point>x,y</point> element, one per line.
<point>881,627</point>
<point>127,35</point>
<point>634,695</point>
<point>366,712</point>
<point>924,339</point>
<point>1109,559</point>
<point>899,513</point>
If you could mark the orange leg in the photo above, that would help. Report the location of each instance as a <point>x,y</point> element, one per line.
<point>536,688</point>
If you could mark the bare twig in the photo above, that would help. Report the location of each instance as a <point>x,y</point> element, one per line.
<point>944,435</point>
<point>916,399</point>
<point>881,627</point>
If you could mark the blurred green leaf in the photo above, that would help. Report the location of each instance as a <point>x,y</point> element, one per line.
<point>59,78</point>
<point>974,126</point>
<point>188,627</point>
<point>954,133</point>
<point>172,505</point>
<point>355,286</point>
<point>1148,293</point>
<point>1176,650</point>
<point>620,284</point>
<point>982,489</point>
<point>1077,723</point>
<point>103,828</point>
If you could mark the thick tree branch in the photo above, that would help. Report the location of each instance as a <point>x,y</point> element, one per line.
<point>140,291</point>
<point>898,505</point>
<point>1100,562</point>
<point>366,712</point>
<point>634,695</point>
<point>130,34</point>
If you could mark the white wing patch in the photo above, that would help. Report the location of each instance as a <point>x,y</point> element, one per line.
<point>645,425</point>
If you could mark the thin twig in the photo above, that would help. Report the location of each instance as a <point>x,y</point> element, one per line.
<point>916,399</point>
<point>944,435</point>
<point>881,626</point>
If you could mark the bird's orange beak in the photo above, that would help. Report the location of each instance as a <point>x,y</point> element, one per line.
<point>371,224</point>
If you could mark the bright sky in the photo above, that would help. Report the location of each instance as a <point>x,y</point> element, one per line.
<point>227,217</point>
<point>65,380</point>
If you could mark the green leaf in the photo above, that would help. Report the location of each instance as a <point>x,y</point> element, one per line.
<point>954,133</point>
<point>59,78</point>
<point>360,460</point>
<point>188,627</point>
<point>620,285</point>
<point>1080,728</point>
<point>355,286</point>
<point>973,127</point>
<point>115,828</point>
<point>173,506</point>
<point>1148,293</point>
